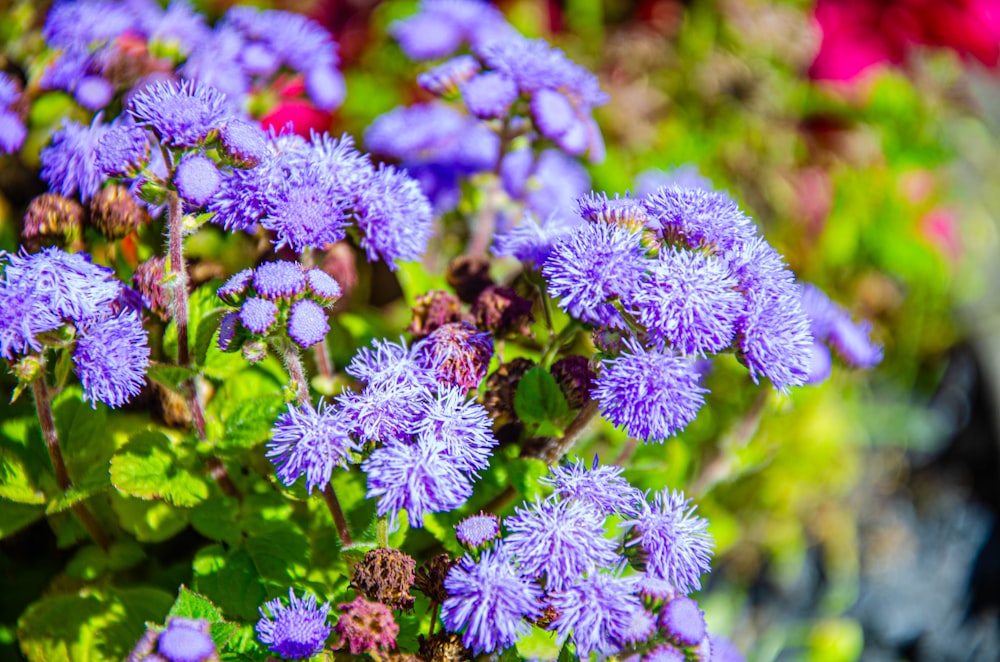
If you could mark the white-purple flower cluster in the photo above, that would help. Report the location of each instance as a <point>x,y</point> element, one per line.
<point>678,275</point>
<point>423,440</point>
<point>563,557</point>
<point>50,291</point>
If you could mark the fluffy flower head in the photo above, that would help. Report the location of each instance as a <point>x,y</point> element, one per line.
<point>298,630</point>
<point>310,442</point>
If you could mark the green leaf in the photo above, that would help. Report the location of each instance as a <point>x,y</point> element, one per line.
<point>74,495</point>
<point>216,519</point>
<point>279,550</point>
<point>230,581</point>
<point>16,483</point>
<point>194,605</point>
<point>147,467</point>
<point>250,423</point>
<point>148,521</point>
<point>539,399</point>
<point>91,626</point>
<point>171,376</point>
<point>243,645</point>
<point>84,440</point>
<point>203,336</point>
<point>90,562</point>
<point>16,516</point>
<point>524,475</point>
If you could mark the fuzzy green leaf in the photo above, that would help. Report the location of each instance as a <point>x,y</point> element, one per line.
<point>279,550</point>
<point>148,521</point>
<point>194,605</point>
<point>250,423</point>
<point>539,399</point>
<point>147,467</point>
<point>229,580</point>
<point>216,519</point>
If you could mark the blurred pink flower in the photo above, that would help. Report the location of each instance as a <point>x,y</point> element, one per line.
<point>860,34</point>
<point>940,227</point>
<point>294,108</point>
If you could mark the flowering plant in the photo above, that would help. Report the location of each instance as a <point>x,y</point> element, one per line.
<point>337,478</point>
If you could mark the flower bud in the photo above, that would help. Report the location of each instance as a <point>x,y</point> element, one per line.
<point>386,575</point>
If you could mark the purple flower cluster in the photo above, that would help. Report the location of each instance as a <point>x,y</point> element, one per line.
<point>276,298</point>
<point>832,326</point>
<point>296,631</point>
<point>43,292</point>
<point>12,130</point>
<point>562,552</point>
<point>442,26</point>
<point>681,274</point>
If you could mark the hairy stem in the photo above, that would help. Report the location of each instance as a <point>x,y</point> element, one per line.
<point>178,273</point>
<point>43,405</point>
<point>559,446</point>
<point>382,531</point>
<point>338,515</point>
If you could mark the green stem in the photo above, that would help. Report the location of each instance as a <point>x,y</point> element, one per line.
<point>719,467</point>
<point>333,504</point>
<point>557,343</point>
<point>559,446</point>
<point>382,531</point>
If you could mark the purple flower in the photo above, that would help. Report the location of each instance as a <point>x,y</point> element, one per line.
<point>280,279</point>
<point>462,427</point>
<point>602,487</point>
<point>258,315</point>
<point>234,287</point>
<point>197,179</point>
<point>244,143</point>
<point>111,358</point>
<point>182,114</point>
<point>387,362</point>
<point>774,338</point>
<point>69,162</point>
<point>489,95</point>
<point>489,599</point>
<point>458,353</point>
<point>307,215</point>
<point>683,622</point>
<point>531,241</point>
<point>689,301</point>
<point>445,79</point>
<point>244,196</point>
<point>296,631</point>
<point>394,217</point>
<point>123,150</point>
<point>852,341</point>
<point>652,394</point>
<point>80,24</point>
<point>596,264</point>
<point>698,217</point>
<point>310,442</point>
<point>757,266</point>
<point>418,477</point>
<point>443,25</point>
<point>383,412</point>
<point>307,323</point>
<point>179,26</point>
<point>672,540</point>
<point>227,330</point>
<point>666,653</point>
<point>12,132</point>
<point>820,364</point>
<point>561,540</point>
<point>323,286</point>
<point>477,530</point>
<point>596,610</point>
<point>627,212</point>
<point>186,640</point>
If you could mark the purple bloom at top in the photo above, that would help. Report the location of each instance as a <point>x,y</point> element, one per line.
<point>86,22</point>
<point>279,279</point>
<point>652,394</point>
<point>296,631</point>
<point>181,114</point>
<point>186,640</point>
<point>111,358</point>
<point>383,412</point>
<point>387,362</point>
<point>596,264</point>
<point>123,150</point>
<point>603,487</point>
<point>307,323</point>
<point>197,179</point>
<point>561,540</point>
<point>672,540</point>
<point>689,301</point>
<point>309,442</point>
<point>69,162</point>
<point>595,612</point>
<point>394,217</point>
<point>442,26</point>
<point>683,622</point>
<point>309,215</point>
<point>489,599</point>
<point>698,218</point>
<point>478,530</point>
<point>419,478</point>
<point>462,427</point>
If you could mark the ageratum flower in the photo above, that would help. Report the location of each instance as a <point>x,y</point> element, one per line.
<point>186,640</point>
<point>419,478</point>
<point>672,540</point>
<point>81,24</point>
<point>831,323</point>
<point>111,358</point>
<point>652,394</point>
<point>477,530</point>
<point>244,196</point>
<point>626,211</point>
<point>69,162</point>
<point>181,114</point>
<point>279,279</point>
<point>123,150</point>
<point>179,26</point>
<point>461,426</point>
<point>683,622</point>
<point>308,215</point>
<point>197,179</point>
<point>561,540</point>
<point>12,130</point>
<point>458,353</point>
<point>323,286</point>
<point>442,26</point>
<point>445,79</point>
<point>307,323</point>
<point>532,241</point>
<point>774,337</point>
<point>602,487</point>
<point>296,631</point>
<point>383,412</point>
<point>688,301</point>
<point>76,71</point>
<point>394,217</point>
<point>596,264</point>
<point>258,315</point>
<point>310,442</point>
<point>490,600</point>
<point>386,362</point>
<point>595,611</point>
<point>698,218</point>
<point>667,653</point>
<point>489,95</point>
<point>235,286</point>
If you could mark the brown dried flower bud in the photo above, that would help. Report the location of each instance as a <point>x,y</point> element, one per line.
<point>386,576</point>
<point>501,386</point>
<point>549,614</point>
<point>148,279</point>
<point>575,377</point>
<point>435,309</point>
<point>116,213</point>
<point>469,275</point>
<point>430,577</point>
<point>53,217</point>
<point>443,647</point>
<point>503,311</point>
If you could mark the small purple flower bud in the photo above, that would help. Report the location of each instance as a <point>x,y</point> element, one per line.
<point>232,289</point>
<point>323,286</point>
<point>279,279</point>
<point>197,179</point>
<point>186,640</point>
<point>477,530</point>
<point>683,622</point>
<point>244,143</point>
<point>227,331</point>
<point>489,95</point>
<point>553,113</point>
<point>307,324</point>
<point>258,315</point>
